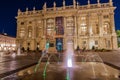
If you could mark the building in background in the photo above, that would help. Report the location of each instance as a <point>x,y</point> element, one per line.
<point>7,43</point>
<point>86,26</point>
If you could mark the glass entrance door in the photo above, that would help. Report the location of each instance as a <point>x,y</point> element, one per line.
<point>59,44</point>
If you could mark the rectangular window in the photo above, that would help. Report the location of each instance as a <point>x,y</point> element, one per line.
<point>84,42</point>
<point>108,44</point>
<point>83,18</point>
<point>96,42</point>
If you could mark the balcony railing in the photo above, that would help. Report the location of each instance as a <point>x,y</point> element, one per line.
<point>81,7</point>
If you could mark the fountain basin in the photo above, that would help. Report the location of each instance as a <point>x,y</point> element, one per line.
<point>81,71</point>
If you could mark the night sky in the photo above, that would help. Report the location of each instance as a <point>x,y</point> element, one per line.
<point>8,11</point>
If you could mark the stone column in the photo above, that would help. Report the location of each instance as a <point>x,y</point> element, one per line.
<point>114,42</point>
<point>88,25</point>
<point>100,25</point>
<point>33,27</point>
<point>33,44</point>
<point>89,29</point>
<point>112,24</point>
<point>54,27</point>
<point>114,36</point>
<point>75,32</point>
<point>54,34</point>
<point>64,40</point>
<point>44,27</point>
<point>26,30</point>
<point>18,29</point>
<point>44,33</point>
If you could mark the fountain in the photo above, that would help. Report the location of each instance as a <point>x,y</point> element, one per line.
<point>69,60</point>
<point>69,54</point>
<point>39,61</point>
<point>13,55</point>
<point>18,50</point>
<point>91,67</point>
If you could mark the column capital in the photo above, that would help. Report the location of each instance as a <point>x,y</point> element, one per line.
<point>99,14</point>
<point>111,13</point>
<point>88,14</point>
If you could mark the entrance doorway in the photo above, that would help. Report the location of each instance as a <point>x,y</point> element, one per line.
<point>59,44</point>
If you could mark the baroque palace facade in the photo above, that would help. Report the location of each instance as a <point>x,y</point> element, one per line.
<point>84,25</point>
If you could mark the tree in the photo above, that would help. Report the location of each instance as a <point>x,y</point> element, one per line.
<point>118,33</point>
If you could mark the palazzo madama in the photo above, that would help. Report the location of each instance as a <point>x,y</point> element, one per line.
<point>84,25</point>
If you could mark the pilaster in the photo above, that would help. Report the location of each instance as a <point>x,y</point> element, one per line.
<point>75,32</point>
<point>100,23</point>
<point>112,23</point>
<point>44,27</point>
<point>44,34</point>
<point>64,40</point>
<point>89,27</point>
<point>114,42</point>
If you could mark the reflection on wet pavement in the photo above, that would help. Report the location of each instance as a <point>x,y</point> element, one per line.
<point>82,71</point>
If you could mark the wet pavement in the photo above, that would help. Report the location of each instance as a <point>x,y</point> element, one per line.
<point>10,65</point>
<point>80,71</point>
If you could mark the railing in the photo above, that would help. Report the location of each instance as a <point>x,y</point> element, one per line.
<point>30,12</point>
<point>59,8</point>
<point>50,9</point>
<point>69,7</point>
<point>83,7</point>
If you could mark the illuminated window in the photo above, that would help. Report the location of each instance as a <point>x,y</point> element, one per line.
<point>83,18</point>
<point>50,25</point>
<point>106,28</point>
<point>29,31</point>
<point>83,29</point>
<point>21,34</point>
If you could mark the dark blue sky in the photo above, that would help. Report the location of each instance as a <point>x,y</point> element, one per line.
<point>8,11</point>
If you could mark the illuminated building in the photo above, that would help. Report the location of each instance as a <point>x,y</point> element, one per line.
<point>7,43</point>
<point>85,25</point>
